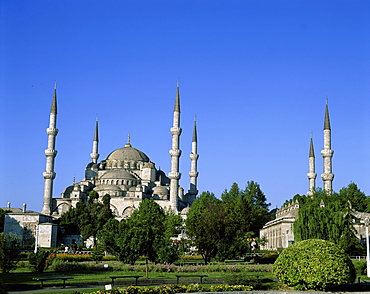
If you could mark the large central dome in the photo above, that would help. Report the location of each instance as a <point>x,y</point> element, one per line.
<point>128,153</point>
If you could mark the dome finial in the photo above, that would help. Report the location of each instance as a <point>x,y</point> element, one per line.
<point>128,144</point>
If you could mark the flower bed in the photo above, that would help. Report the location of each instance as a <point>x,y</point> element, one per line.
<point>172,289</point>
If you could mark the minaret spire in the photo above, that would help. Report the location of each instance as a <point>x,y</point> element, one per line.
<point>327,153</point>
<point>175,153</point>
<point>311,174</point>
<point>50,153</point>
<point>194,159</point>
<point>95,155</point>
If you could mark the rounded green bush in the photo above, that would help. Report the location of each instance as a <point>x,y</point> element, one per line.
<point>314,264</point>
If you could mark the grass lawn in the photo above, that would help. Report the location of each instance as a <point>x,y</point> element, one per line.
<point>91,276</point>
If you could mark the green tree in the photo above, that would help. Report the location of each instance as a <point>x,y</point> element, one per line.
<point>146,232</point>
<point>205,225</point>
<point>9,251</point>
<point>246,213</point>
<point>114,239</point>
<point>86,219</point>
<point>327,217</point>
<point>358,199</point>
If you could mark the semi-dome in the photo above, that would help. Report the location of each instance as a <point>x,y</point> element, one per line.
<point>160,190</point>
<point>128,153</point>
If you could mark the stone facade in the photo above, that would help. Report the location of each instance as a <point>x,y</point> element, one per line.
<point>279,232</point>
<point>30,226</point>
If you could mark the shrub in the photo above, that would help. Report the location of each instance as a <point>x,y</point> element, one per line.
<point>38,260</point>
<point>360,267</point>
<point>242,279</point>
<point>314,264</point>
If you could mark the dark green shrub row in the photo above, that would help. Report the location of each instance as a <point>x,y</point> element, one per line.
<point>65,266</point>
<point>84,257</point>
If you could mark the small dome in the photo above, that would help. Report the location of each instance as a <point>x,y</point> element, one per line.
<point>128,153</point>
<point>118,174</point>
<point>92,165</point>
<point>160,190</point>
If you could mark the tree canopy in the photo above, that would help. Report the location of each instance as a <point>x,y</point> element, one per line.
<point>223,227</point>
<point>86,219</point>
<point>331,217</point>
<point>10,248</point>
<point>147,232</point>
<point>205,225</point>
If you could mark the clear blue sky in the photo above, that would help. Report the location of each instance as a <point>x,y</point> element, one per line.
<point>255,73</point>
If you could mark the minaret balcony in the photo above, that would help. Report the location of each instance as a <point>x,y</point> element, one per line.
<point>193,174</point>
<point>52,131</point>
<point>175,152</point>
<point>49,175</point>
<point>175,131</point>
<point>194,156</point>
<point>327,153</point>
<point>51,152</point>
<point>311,175</point>
<point>174,175</point>
<point>327,177</point>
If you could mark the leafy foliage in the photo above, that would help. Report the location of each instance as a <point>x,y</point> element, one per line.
<point>314,264</point>
<point>225,228</point>
<point>146,232</point>
<point>38,260</point>
<point>246,213</point>
<point>328,217</point>
<point>205,225</point>
<point>9,251</point>
<point>86,219</point>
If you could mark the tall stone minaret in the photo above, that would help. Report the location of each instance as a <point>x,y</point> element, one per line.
<point>327,154</point>
<point>95,155</point>
<point>175,153</point>
<point>51,153</point>
<point>311,174</point>
<point>194,159</point>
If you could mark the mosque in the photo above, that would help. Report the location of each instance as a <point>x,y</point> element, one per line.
<point>126,174</point>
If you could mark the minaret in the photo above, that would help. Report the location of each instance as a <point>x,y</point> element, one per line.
<point>175,153</point>
<point>51,153</point>
<point>327,153</point>
<point>311,174</point>
<point>194,159</point>
<point>95,155</point>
